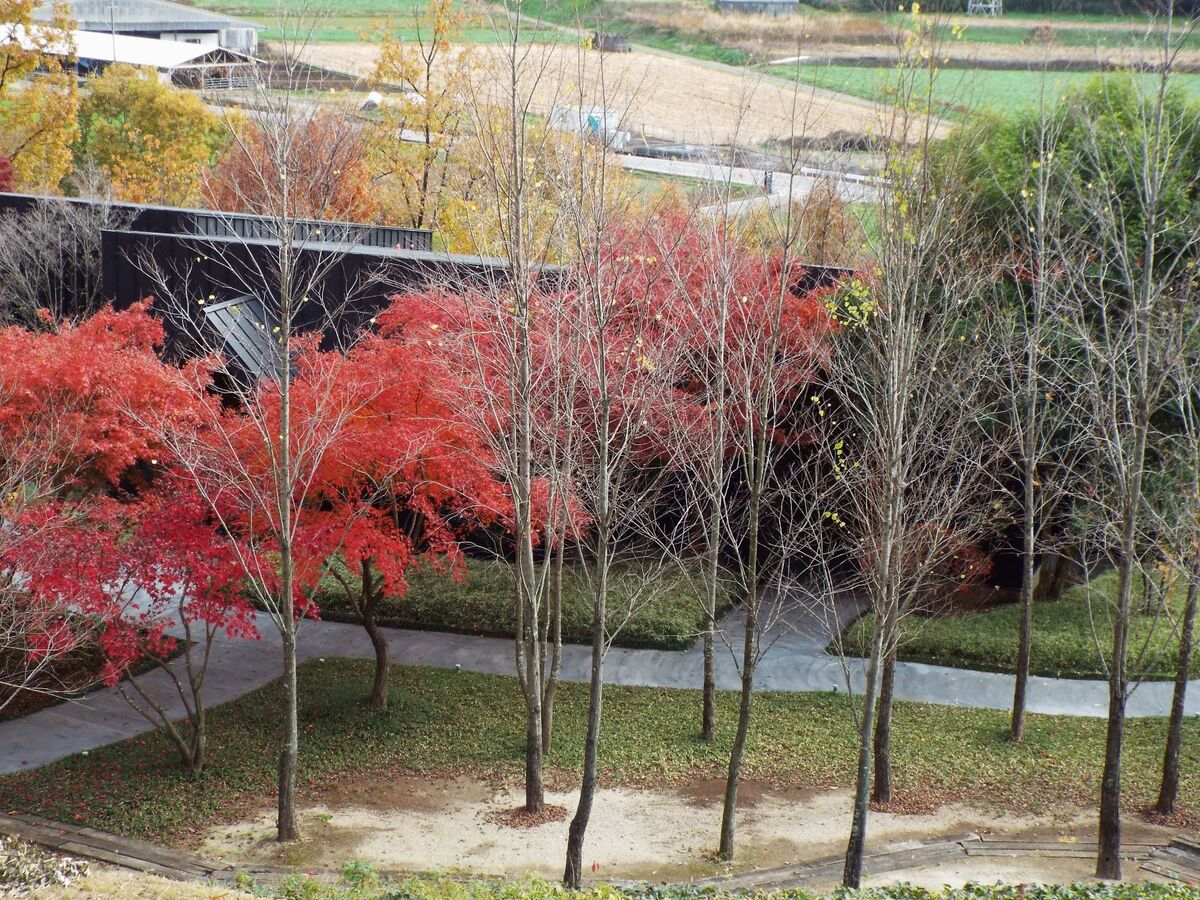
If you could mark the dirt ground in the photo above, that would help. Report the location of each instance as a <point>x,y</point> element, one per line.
<point>658,835</point>
<point>103,883</point>
<point>659,95</point>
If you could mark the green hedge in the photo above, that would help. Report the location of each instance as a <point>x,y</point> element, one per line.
<point>481,602</point>
<point>1065,636</point>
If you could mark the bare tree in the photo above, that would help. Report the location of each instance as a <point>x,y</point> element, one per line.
<point>258,469</point>
<point>911,394</point>
<point>50,258</point>
<point>1041,419</point>
<point>1131,297</point>
<point>620,375</point>
<point>500,356</point>
<point>1181,548</point>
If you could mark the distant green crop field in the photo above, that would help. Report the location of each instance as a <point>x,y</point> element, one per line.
<point>352,20</point>
<point>960,90</point>
<point>1070,36</point>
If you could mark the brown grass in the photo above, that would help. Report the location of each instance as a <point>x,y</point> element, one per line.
<point>762,35</point>
<point>663,95</point>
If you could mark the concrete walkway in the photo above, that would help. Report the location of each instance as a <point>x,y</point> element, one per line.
<point>785,187</point>
<point>792,660</point>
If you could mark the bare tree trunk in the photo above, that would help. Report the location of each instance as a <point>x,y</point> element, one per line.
<point>1108,859</point>
<point>882,791</point>
<point>708,719</point>
<point>289,754</point>
<point>852,872</point>
<point>1168,791</point>
<point>729,811</point>
<point>573,873</point>
<point>1025,635</point>
<point>555,643</point>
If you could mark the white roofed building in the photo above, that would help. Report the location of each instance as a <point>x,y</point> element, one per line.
<point>187,65</point>
<point>160,20</point>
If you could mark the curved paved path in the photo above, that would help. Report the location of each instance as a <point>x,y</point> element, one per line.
<point>793,660</point>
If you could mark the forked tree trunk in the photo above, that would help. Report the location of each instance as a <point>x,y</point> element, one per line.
<point>554,643</point>
<point>529,670</point>
<point>1168,791</point>
<point>573,872</point>
<point>529,666</point>
<point>855,848</point>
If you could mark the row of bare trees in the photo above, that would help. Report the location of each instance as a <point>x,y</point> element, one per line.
<point>871,434</point>
<point>1083,318</point>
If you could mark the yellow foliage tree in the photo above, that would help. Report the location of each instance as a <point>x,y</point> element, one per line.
<point>413,153</point>
<point>153,141</point>
<point>553,163</point>
<point>38,96</point>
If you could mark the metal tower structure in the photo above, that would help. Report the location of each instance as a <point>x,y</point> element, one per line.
<point>985,7</point>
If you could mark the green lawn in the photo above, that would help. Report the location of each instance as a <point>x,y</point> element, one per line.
<point>1069,35</point>
<point>481,602</point>
<point>441,722</point>
<point>1064,638</point>
<point>958,90</point>
<point>357,20</point>
<point>650,186</point>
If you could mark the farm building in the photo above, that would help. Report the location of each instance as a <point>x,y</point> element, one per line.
<point>759,7</point>
<point>159,20</point>
<point>187,65</point>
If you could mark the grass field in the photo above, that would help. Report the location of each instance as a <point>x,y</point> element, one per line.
<point>666,616</point>
<point>649,186</point>
<point>361,20</point>
<point>1067,34</point>
<point>440,722</point>
<point>958,90</point>
<point>1065,637</point>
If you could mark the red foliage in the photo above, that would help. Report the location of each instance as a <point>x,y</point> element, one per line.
<point>73,398</point>
<point>660,340</point>
<point>70,406</point>
<point>6,174</point>
<point>407,472</point>
<point>329,178</point>
<point>736,321</point>
<point>180,572</point>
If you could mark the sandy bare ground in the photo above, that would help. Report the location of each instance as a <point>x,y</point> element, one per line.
<point>658,835</point>
<point>104,883</point>
<point>660,95</point>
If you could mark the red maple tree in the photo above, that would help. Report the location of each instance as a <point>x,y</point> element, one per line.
<point>70,444</point>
